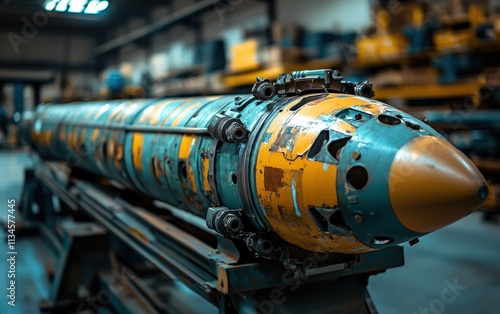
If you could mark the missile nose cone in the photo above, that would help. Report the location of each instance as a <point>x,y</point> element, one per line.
<point>433,184</point>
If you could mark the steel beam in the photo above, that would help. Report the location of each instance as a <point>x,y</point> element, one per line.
<point>156,26</point>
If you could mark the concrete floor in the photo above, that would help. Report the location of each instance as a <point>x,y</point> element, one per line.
<point>31,280</point>
<point>465,255</point>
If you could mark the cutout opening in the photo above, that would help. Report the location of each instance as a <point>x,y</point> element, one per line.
<point>319,220</point>
<point>323,137</point>
<point>337,220</point>
<point>183,170</point>
<point>357,177</point>
<point>104,150</point>
<point>390,120</point>
<point>335,147</point>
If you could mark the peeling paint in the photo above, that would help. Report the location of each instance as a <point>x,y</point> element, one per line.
<point>294,198</point>
<point>273,179</point>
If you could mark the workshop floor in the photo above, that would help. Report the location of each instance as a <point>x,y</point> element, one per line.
<point>454,270</point>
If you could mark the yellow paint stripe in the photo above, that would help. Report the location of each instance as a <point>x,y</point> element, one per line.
<point>206,170</point>
<point>137,141</point>
<point>185,147</point>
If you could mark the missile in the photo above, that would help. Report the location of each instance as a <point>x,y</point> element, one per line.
<point>310,161</point>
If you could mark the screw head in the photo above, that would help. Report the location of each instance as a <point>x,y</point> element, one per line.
<point>356,155</point>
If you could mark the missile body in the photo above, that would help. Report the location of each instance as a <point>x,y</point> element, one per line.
<point>327,172</point>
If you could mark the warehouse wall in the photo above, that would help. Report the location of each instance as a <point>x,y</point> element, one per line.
<point>48,50</point>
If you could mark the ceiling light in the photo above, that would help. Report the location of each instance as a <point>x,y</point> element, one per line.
<point>77,6</point>
<point>49,6</point>
<point>62,6</point>
<point>102,5</point>
<point>92,7</point>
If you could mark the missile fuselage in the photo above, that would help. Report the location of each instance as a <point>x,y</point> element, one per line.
<point>328,172</point>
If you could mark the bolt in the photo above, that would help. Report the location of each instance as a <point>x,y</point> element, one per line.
<point>356,155</point>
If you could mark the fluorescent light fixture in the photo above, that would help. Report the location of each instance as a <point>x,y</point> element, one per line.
<point>49,6</point>
<point>62,6</point>
<point>77,6</point>
<point>102,5</point>
<point>92,7</point>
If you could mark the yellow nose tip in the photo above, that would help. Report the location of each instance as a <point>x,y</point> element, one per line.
<point>433,184</point>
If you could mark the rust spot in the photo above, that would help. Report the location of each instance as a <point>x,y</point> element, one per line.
<point>273,179</point>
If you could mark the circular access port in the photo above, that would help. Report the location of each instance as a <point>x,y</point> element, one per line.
<point>381,240</point>
<point>390,120</point>
<point>269,92</point>
<point>357,177</point>
<point>233,224</point>
<point>239,134</point>
<point>264,246</point>
<point>364,90</point>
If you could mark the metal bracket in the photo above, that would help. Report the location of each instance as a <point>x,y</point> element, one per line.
<point>227,129</point>
<point>301,82</point>
<point>229,223</point>
<point>225,221</point>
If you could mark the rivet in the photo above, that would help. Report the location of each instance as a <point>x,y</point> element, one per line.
<point>359,218</point>
<point>356,155</point>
